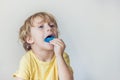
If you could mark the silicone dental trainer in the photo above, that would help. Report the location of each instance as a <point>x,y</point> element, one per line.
<point>49,38</point>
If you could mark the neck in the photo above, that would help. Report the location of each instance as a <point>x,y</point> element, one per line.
<point>43,55</point>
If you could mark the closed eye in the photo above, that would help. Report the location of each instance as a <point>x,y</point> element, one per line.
<point>51,25</point>
<point>40,26</point>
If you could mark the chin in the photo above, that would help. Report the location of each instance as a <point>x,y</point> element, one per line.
<point>49,47</point>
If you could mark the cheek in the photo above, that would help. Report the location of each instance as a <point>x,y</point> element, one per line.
<point>36,37</point>
<point>56,33</point>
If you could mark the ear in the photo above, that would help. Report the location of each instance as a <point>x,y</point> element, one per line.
<point>29,40</point>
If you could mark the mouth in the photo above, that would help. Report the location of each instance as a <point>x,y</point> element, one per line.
<point>49,38</point>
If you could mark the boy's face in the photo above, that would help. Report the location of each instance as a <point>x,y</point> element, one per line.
<point>40,31</point>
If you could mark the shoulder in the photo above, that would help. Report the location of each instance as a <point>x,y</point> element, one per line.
<point>65,55</point>
<point>24,67</point>
<point>26,57</point>
<point>67,60</point>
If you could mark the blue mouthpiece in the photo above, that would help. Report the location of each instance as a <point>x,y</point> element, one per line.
<point>49,38</point>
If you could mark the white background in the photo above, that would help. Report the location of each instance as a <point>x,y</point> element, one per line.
<point>90,29</point>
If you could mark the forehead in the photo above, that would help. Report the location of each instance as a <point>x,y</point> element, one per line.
<point>40,19</point>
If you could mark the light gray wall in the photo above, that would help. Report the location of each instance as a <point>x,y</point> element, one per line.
<point>90,28</point>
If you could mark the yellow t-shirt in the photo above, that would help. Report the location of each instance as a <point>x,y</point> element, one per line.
<point>31,68</point>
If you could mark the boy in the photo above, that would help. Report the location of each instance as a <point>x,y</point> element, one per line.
<point>43,60</point>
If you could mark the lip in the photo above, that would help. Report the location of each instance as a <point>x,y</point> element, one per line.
<point>49,35</point>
